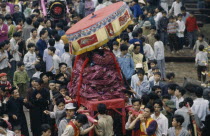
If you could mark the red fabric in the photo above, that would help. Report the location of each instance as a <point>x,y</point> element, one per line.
<point>76,129</point>
<point>110,104</point>
<point>100,15</point>
<point>191,24</point>
<point>6,84</point>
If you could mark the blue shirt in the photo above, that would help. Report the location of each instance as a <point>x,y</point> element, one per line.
<point>127,65</point>
<point>136,10</point>
<point>61,32</point>
<point>41,45</point>
<point>132,41</point>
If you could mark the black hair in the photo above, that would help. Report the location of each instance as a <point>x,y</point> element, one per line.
<point>153,96</point>
<point>166,97</point>
<point>181,90</point>
<point>136,45</point>
<point>192,12</point>
<point>6,41</point>
<point>171,17</point>
<point>183,8</point>
<point>58,101</point>
<point>136,100</point>
<point>57,38</point>
<point>31,45</point>
<point>115,43</point>
<point>3,124</point>
<point>125,38</point>
<point>135,34</point>
<point>66,28</point>
<point>157,73</point>
<point>154,88</point>
<point>150,107</point>
<point>51,42</point>
<point>201,48</point>
<point>36,11</point>
<point>54,32</point>
<point>170,75</point>
<point>142,39</point>
<point>153,61</point>
<point>199,92</point>
<point>32,30</point>
<point>180,15</point>
<point>36,24</point>
<point>130,27</point>
<point>42,33</point>
<point>153,27</point>
<point>8,17</point>
<point>51,48</point>
<point>172,86</point>
<point>39,81</point>
<point>59,76</point>
<point>59,25</point>
<point>140,71</point>
<point>19,20</point>
<point>145,99</point>
<point>159,102</point>
<point>179,118</point>
<point>38,67</point>
<point>164,12</point>
<point>128,92</point>
<point>123,47</point>
<point>81,118</point>
<point>45,128</point>
<point>29,21</point>
<point>66,48</point>
<point>100,1</point>
<point>101,108</point>
<point>62,63</point>
<point>201,35</point>
<point>17,34</point>
<point>20,63</point>
<point>139,30</point>
<point>143,17</point>
<point>188,100</point>
<point>157,37</point>
<point>2,44</point>
<point>32,16</point>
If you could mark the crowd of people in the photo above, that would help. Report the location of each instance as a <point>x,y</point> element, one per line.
<point>36,67</point>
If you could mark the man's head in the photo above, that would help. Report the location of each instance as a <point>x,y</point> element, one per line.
<point>115,45</point>
<point>17,36</point>
<point>200,37</point>
<point>170,106</point>
<point>165,98</point>
<point>46,130</point>
<point>170,76</point>
<point>191,14</point>
<point>137,47</point>
<point>60,103</point>
<point>180,17</point>
<point>183,10</point>
<point>57,38</point>
<point>180,91</point>
<point>81,119</point>
<point>172,88</point>
<point>153,63</point>
<point>136,104</point>
<point>201,48</point>
<point>51,50</point>
<point>44,77</point>
<point>157,106</point>
<point>164,13</point>
<point>124,49</point>
<point>52,85</point>
<point>199,92</point>
<point>157,90</point>
<point>43,34</point>
<point>15,93</point>
<point>21,66</point>
<point>70,109</point>
<point>101,108</point>
<point>140,74</point>
<point>34,32</point>
<point>16,8</point>
<point>31,47</point>
<point>177,120</point>
<point>63,67</point>
<point>148,110</point>
<point>157,76</point>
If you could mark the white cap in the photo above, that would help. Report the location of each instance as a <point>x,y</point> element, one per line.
<point>142,2</point>
<point>70,106</point>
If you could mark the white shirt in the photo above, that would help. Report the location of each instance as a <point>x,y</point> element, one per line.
<point>67,58</point>
<point>4,62</point>
<point>56,61</point>
<point>100,6</point>
<point>37,74</point>
<point>176,7</point>
<point>149,52</point>
<point>116,53</point>
<point>39,30</point>
<point>181,28</point>
<point>178,101</point>
<point>201,108</point>
<point>162,122</point>
<point>157,17</point>
<point>48,59</point>
<point>14,50</point>
<point>29,59</point>
<point>60,46</point>
<point>159,50</point>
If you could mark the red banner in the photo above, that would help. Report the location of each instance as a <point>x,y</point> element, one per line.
<point>86,41</point>
<point>123,19</point>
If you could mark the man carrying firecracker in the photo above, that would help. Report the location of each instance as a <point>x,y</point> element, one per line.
<point>144,125</point>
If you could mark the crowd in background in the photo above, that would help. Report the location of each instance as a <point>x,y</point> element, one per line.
<point>36,65</point>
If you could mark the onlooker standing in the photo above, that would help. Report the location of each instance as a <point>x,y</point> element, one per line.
<point>41,25</point>
<point>11,26</point>
<point>201,61</point>
<point>30,60</point>
<point>136,9</point>
<point>199,42</point>
<point>163,23</point>
<point>159,54</point>
<point>21,79</point>
<point>41,44</point>
<point>3,30</point>
<point>33,39</point>
<point>27,28</point>
<point>17,14</point>
<point>175,8</point>
<point>67,58</point>
<point>59,44</point>
<point>59,28</point>
<point>180,32</point>
<point>56,59</point>
<point>192,27</point>
<point>4,60</point>
<point>200,106</point>
<point>172,38</point>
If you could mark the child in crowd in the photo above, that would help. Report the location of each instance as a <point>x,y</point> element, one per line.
<point>4,82</point>
<point>162,25</point>
<point>128,97</point>
<point>201,62</point>
<point>179,95</point>
<point>45,130</point>
<point>180,32</point>
<point>159,55</point>
<point>21,79</point>
<point>199,42</point>
<point>38,71</point>
<point>154,70</point>
<point>153,63</point>
<point>116,48</point>
<point>30,60</point>
<point>177,128</point>
<point>172,38</point>
<point>156,81</point>
<point>130,30</point>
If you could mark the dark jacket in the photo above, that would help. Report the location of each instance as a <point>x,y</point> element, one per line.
<point>17,15</point>
<point>136,10</point>
<point>163,23</point>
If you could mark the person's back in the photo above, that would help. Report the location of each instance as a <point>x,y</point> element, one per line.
<point>159,50</point>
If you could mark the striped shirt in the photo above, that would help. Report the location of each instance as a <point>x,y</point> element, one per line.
<point>172,28</point>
